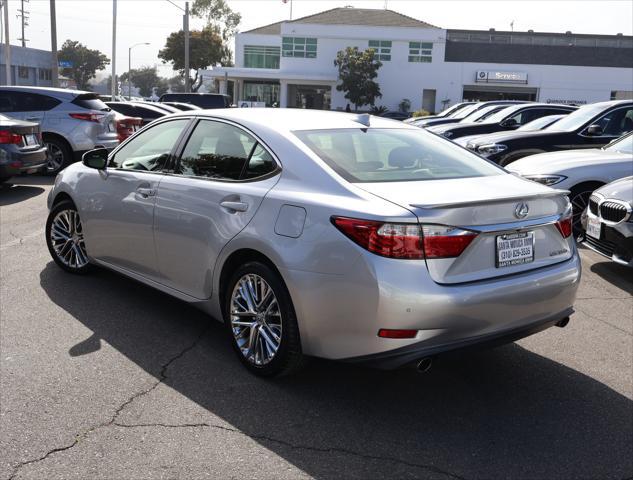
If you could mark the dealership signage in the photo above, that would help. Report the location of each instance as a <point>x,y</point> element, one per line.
<point>566,101</point>
<point>485,76</point>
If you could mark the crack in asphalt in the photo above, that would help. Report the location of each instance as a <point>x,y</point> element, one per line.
<point>119,410</point>
<point>593,317</point>
<point>293,446</point>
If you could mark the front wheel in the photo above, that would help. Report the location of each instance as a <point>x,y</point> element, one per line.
<point>579,198</point>
<point>261,321</point>
<point>65,238</point>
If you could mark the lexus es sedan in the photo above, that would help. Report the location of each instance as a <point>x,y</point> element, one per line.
<point>326,234</point>
<point>608,221</point>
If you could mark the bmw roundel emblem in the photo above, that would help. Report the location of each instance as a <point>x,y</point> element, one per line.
<point>521,210</point>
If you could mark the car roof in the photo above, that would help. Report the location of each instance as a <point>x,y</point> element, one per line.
<point>292,119</point>
<point>56,92</point>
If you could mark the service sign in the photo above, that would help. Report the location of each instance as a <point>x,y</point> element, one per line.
<point>485,76</point>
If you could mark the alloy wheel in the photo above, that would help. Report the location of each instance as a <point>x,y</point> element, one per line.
<point>55,158</point>
<point>255,319</point>
<point>67,239</point>
<point>579,203</point>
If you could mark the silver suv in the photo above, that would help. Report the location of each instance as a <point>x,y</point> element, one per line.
<point>72,121</point>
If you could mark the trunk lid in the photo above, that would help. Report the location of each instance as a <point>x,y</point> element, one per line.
<point>29,131</point>
<point>485,205</point>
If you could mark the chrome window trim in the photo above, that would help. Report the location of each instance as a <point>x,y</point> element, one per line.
<point>278,168</point>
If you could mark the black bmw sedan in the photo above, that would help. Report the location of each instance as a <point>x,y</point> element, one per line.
<point>591,126</point>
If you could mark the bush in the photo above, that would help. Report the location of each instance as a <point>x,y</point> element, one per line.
<point>378,110</point>
<point>421,113</point>
<point>404,105</point>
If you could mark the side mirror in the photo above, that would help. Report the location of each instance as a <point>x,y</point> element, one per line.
<point>510,123</point>
<point>594,130</point>
<point>97,158</point>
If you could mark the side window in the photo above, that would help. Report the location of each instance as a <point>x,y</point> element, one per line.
<point>33,102</point>
<point>261,163</point>
<point>150,150</point>
<point>617,122</point>
<point>216,150</point>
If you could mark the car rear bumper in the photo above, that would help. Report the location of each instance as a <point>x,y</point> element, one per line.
<point>340,316</point>
<point>18,161</point>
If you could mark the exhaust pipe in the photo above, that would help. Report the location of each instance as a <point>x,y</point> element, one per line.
<point>424,365</point>
<point>562,323</point>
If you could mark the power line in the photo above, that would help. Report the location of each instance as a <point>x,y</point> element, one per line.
<point>177,6</point>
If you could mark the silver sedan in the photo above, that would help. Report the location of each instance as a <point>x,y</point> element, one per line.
<point>323,234</point>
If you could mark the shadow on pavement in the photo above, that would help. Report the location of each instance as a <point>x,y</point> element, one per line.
<point>617,275</point>
<point>10,194</point>
<point>501,413</point>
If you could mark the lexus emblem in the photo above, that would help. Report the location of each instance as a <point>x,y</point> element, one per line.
<point>521,210</point>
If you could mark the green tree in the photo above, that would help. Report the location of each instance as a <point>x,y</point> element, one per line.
<point>85,62</point>
<point>162,86</point>
<point>219,15</point>
<point>356,71</point>
<point>176,84</point>
<point>206,48</point>
<point>144,78</point>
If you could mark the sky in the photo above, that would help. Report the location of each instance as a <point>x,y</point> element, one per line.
<point>90,21</point>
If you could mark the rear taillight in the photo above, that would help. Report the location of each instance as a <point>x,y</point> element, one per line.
<point>89,117</point>
<point>393,240</point>
<point>396,333</point>
<point>7,137</point>
<point>405,240</point>
<point>564,226</point>
<point>441,241</point>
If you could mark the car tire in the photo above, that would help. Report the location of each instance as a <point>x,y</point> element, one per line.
<point>579,198</point>
<point>59,155</point>
<point>266,336</point>
<point>64,238</point>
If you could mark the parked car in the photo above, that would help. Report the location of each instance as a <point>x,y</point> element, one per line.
<point>21,148</point>
<point>395,115</point>
<point>608,223</point>
<point>108,98</point>
<point>182,106</point>
<point>443,114</point>
<point>462,113</point>
<point>509,118</point>
<point>126,126</point>
<point>241,212</point>
<point>72,121</point>
<point>579,171</point>
<point>538,124</point>
<point>202,100</point>
<point>161,106</point>
<point>147,113</point>
<point>591,126</point>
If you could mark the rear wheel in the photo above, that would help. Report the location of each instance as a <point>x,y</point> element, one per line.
<point>261,321</point>
<point>59,155</point>
<point>579,198</point>
<point>65,238</point>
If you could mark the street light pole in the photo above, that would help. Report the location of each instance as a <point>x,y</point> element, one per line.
<point>55,69</point>
<point>186,29</point>
<point>7,45</point>
<point>129,69</point>
<point>113,76</point>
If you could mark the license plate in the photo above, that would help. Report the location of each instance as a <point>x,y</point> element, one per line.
<point>515,249</point>
<point>31,139</point>
<point>593,227</point>
<point>111,127</point>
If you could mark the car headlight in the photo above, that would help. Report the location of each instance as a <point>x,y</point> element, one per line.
<point>491,149</point>
<point>548,180</point>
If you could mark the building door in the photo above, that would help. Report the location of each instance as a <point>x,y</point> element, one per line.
<point>428,100</point>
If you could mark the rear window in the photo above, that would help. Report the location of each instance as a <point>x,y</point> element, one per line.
<point>91,102</point>
<point>203,101</point>
<point>393,155</point>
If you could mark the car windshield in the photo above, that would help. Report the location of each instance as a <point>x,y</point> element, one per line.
<point>540,123</point>
<point>502,114</point>
<point>393,155</point>
<point>482,114</point>
<point>577,119</point>
<point>621,145</point>
<point>451,110</point>
<point>464,112</point>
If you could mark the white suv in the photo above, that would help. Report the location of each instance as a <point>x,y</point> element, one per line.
<point>72,121</point>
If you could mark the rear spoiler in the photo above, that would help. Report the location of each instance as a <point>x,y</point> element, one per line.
<point>552,193</point>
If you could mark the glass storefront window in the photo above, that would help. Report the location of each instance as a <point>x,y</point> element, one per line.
<point>261,56</point>
<point>262,92</point>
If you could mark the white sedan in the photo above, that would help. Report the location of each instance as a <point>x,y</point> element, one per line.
<point>579,171</point>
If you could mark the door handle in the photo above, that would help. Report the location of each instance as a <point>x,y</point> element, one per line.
<point>146,192</point>
<point>234,206</point>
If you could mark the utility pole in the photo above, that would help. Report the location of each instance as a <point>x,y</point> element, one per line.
<point>113,79</point>
<point>55,73</point>
<point>25,20</point>
<point>186,29</point>
<point>7,45</point>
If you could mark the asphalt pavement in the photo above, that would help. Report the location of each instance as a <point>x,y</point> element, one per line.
<point>103,378</point>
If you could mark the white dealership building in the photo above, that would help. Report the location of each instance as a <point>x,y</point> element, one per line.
<point>291,63</point>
